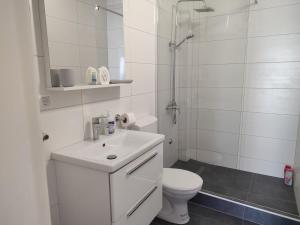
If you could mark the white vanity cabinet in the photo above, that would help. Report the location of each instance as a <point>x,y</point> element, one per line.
<point>131,195</point>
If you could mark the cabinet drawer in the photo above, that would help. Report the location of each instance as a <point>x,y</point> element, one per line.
<point>129,184</point>
<point>145,210</point>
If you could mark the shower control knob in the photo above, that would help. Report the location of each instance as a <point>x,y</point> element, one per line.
<point>171,141</point>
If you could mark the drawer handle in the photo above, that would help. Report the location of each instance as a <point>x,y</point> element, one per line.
<point>141,164</point>
<point>141,201</point>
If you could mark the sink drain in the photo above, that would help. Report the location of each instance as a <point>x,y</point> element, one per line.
<point>111,157</point>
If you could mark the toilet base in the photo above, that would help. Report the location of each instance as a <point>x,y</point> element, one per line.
<point>174,211</point>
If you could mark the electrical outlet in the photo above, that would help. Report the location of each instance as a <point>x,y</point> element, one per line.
<point>45,100</point>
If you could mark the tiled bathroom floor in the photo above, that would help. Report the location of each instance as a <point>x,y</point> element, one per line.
<point>266,191</point>
<point>203,216</point>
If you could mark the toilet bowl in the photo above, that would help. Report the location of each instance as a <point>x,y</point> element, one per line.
<point>179,186</point>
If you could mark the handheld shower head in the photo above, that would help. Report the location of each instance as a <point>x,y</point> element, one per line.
<point>190,36</point>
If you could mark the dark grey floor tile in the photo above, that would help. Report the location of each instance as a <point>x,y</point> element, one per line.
<point>249,223</point>
<point>230,192</point>
<point>218,204</point>
<point>272,187</point>
<point>273,203</point>
<point>206,216</point>
<point>227,181</point>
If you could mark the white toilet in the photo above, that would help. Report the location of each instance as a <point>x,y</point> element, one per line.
<point>179,186</point>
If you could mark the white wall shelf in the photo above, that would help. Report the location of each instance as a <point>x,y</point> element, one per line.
<point>83,87</point>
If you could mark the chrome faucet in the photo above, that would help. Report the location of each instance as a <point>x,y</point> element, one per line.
<point>99,125</point>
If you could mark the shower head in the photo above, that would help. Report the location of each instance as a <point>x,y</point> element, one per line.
<point>190,1</point>
<point>206,9</point>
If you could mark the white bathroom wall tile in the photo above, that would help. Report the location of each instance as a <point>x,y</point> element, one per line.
<point>230,75</point>
<point>164,27</point>
<point>62,31</point>
<point>185,97</point>
<point>61,9</point>
<point>194,98</point>
<point>193,118</point>
<point>115,22</point>
<point>86,14</point>
<point>174,153</point>
<point>184,74</point>
<point>114,106</point>
<point>140,46</point>
<point>96,57</point>
<point>163,77</point>
<point>115,38</point>
<point>54,211</point>
<point>218,141</point>
<point>183,118</point>
<point>88,36</point>
<point>219,120</point>
<point>183,155</point>
<point>164,99</point>
<point>164,56</point>
<point>142,9</point>
<point>217,158</point>
<point>262,167</point>
<point>64,126</point>
<point>274,21</point>
<point>270,149</point>
<point>263,4</point>
<point>222,52</point>
<point>192,154</point>
<point>143,105</point>
<point>63,54</point>
<point>270,125</point>
<point>182,140</point>
<point>280,101</point>
<point>227,26</point>
<point>220,98</point>
<point>273,75</point>
<point>274,48</point>
<point>125,90</point>
<point>185,53</point>
<point>115,56</point>
<point>199,29</point>
<point>192,138</point>
<point>143,76</point>
<point>166,5</point>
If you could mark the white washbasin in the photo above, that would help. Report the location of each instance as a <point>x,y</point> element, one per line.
<point>124,144</point>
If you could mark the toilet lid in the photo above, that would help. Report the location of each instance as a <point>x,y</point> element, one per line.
<point>181,180</point>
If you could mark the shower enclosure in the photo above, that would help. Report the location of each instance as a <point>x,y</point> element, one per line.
<point>228,95</point>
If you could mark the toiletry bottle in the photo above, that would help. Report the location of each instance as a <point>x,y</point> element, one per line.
<point>111,123</point>
<point>103,125</point>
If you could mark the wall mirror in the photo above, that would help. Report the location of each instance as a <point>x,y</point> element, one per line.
<point>79,34</point>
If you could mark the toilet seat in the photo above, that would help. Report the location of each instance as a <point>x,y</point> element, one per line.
<point>179,181</point>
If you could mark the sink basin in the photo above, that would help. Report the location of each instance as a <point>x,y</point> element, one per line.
<point>111,152</point>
